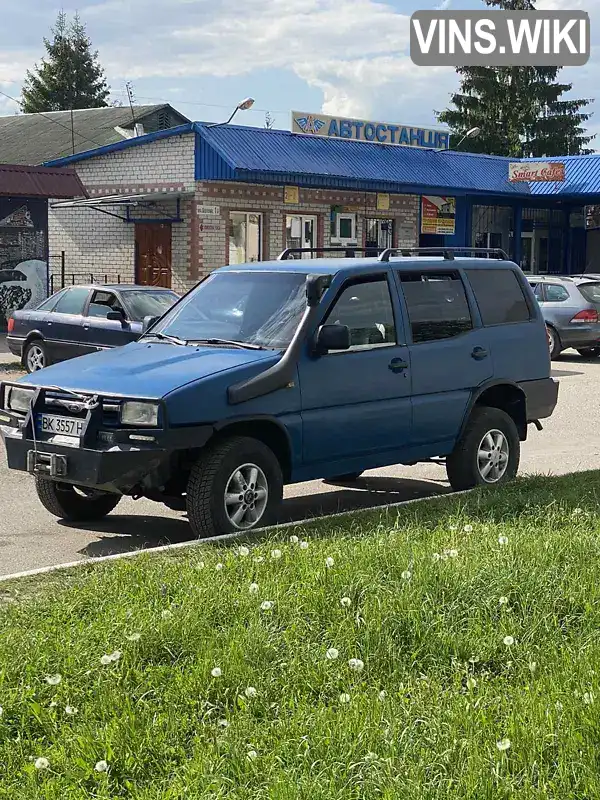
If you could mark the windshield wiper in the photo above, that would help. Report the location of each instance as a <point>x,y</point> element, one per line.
<point>166,337</point>
<point>230,342</point>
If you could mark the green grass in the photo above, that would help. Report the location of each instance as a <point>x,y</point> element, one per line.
<point>438,691</point>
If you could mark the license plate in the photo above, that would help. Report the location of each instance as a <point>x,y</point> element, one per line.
<point>61,425</point>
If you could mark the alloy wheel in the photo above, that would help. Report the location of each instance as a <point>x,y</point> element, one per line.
<point>492,456</point>
<point>246,496</point>
<point>35,358</point>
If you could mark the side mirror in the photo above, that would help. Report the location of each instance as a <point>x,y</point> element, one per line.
<point>148,323</point>
<point>333,337</point>
<point>116,316</point>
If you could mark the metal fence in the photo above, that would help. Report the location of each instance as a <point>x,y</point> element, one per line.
<point>60,275</point>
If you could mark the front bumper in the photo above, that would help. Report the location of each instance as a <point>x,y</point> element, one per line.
<point>541,397</point>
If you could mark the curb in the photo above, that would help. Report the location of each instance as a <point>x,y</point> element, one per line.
<point>227,537</point>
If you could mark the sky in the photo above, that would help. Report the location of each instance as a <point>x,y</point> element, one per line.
<point>339,57</point>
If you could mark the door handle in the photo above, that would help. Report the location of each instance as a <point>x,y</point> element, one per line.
<point>479,353</point>
<point>398,365</point>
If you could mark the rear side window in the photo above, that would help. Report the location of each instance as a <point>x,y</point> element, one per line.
<point>49,304</point>
<point>437,305</point>
<point>591,292</point>
<point>72,301</point>
<point>499,295</point>
<point>555,293</point>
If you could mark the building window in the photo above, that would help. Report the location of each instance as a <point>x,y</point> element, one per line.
<point>301,232</point>
<point>343,229</point>
<point>493,226</point>
<point>245,237</point>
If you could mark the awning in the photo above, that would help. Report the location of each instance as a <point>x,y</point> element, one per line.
<point>19,180</point>
<point>123,200</point>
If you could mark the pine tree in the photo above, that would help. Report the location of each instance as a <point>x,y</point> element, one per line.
<point>70,77</point>
<point>519,110</point>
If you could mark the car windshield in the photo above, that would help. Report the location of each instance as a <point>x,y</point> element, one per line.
<point>591,292</point>
<point>253,308</point>
<point>144,303</point>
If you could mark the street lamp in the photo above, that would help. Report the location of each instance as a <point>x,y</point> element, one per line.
<point>243,106</point>
<point>471,133</point>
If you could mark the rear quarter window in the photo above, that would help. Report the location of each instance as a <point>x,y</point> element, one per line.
<point>591,292</point>
<point>499,295</point>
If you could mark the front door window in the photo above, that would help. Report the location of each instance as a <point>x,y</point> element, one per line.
<point>300,232</point>
<point>245,234</point>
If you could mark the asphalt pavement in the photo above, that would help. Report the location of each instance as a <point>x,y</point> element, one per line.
<point>31,538</point>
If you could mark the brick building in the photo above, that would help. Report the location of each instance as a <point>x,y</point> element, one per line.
<point>169,207</point>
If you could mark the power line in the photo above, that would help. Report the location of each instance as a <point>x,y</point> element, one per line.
<point>205,105</point>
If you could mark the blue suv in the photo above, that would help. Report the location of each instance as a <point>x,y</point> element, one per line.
<point>278,372</point>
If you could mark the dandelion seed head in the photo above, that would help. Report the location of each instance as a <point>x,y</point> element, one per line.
<point>166,614</point>
<point>71,710</point>
<point>503,601</point>
<point>346,602</point>
<point>266,605</point>
<point>406,575</point>
<point>329,562</point>
<point>503,745</point>
<point>508,641</point>
<point>219,566</point>
<point>453,528</point>
<point>251,755</point>
<point>382,695</point>
<point>453,553</point>
<point>294,539</point>
<point>258,559</point>
<point>344,698</point>
<point>532,666</point>
<point>105,660</point>
<point>444,556</point>
<point>577,511</point>
<point>253,589</point>
<point>243,551</point>
<point>435,557</point>
<point>53,680</point>
<point>134,637</point>
<point>276,554</point>
<point>250,691</point>
<point>371,757</point>
<point>216,672</point>
<point>503,540</point>
<point>223,723</point>
<point>303,545</point>
<point>200,565</point>
<point>53,704</point>
<point>101,766</point>
<point>115,656</point>
<point>468,529</point>
<point>558,705</point>
<point>41,763</point>
<point>356,664</point>
<point>588,698</point>
<point>332,654</point>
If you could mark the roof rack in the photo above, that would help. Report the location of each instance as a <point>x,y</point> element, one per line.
<point>447,252</point>
<point>348,250</point>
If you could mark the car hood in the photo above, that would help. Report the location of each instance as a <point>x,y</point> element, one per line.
<point>144,369</point>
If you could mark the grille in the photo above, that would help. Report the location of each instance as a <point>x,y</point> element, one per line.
<point>57,402</point>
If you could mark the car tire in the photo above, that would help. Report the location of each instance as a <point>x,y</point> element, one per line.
<point>490,436</point>
<point>66,502</point>
<point>554,343</point>
<point>347,478</point>
<point>35,353</point>
<point>589,352</point>
<point>224,471</point>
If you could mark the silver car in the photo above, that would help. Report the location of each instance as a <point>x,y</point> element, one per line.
<point>570,306</point>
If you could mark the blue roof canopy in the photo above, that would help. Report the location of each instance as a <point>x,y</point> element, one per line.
<point>239,153</point>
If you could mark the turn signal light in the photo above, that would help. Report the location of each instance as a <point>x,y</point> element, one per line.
<point>11,325</point>
<point>587,315</point>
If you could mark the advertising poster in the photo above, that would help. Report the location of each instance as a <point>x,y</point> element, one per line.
<point>438,215</point>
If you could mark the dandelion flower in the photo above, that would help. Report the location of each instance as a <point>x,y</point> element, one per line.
<point>250,691</point>
<point>41,763</point>
<point>329,562</point>
<point>294,539</point>
<point>503,601</point>
<point>219,566</point>
<point>166,614</point>
<point>276,554</point>
<point>503,540</point>
<point>251,755</point>
<point>303,545</point>
<point>382,695</point>
<point>332,654</point>
<point>406,575</point>
<point>53,680</point>
<point>508,641</point>
<point>253,588</point>
<point>344,698</point>
<point>101,766</point>
<point>346,602</point>
<point>468,529</point>
<point>356,664</point>
<point>588,698</point>
<point>134,637</point>
<point>222,723</point>
<point>266,605</point>
<point>216,672</point>
<point>453,553</point>
<point>243,551</point>
<point>503,745</point>
<point>71,710</point>
<point>471,682</point>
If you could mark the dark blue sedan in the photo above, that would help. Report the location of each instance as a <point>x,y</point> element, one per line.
<point>83,319</point>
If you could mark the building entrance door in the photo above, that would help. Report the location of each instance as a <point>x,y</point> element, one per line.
<point>534,251</point>
<point>379,234</point>
<point>153,254</point>
<point>301,232</point>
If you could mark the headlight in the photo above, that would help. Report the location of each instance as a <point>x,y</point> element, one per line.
<point>17,399</point>
<point>139,413</point>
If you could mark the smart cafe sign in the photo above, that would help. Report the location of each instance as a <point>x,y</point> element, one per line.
<point>536,171</point>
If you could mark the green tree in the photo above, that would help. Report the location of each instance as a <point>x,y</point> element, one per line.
<point>520,111</point>
<point>70,77</point>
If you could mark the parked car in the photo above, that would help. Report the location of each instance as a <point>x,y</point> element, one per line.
<point>570,306</point>
<point>83,319</point>
<point>12,275</point>
<point>334,366</point>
